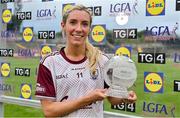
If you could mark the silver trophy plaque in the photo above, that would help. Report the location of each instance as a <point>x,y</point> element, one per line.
<point>120,74</point>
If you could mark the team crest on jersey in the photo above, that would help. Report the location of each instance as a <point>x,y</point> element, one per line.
<point>94,75</point>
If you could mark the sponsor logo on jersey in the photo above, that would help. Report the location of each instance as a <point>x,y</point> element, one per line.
<point>63,76</point>
<point>40,88</point>
<point>78,68</point>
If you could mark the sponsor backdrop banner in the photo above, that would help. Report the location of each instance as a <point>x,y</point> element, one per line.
<point>147,31</point>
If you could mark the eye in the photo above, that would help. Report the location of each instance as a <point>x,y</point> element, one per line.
<point>85,24</point>
<point>72,22</point>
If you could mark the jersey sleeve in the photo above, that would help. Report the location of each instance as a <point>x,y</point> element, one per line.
<point>45,87</point>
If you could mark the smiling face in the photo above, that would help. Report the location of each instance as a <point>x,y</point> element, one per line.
<point>76,27</point>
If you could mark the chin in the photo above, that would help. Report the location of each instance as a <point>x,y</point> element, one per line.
<point>77,44</point>
<point>80,43</point>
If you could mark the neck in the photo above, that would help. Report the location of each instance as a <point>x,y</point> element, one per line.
<point>75,53</point>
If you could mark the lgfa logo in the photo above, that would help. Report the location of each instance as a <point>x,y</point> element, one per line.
<point>67,7</point>
<point>46,13</point>
<point>5,69</point>
<point>98,33</point>
<point>7,16</point>
<point>45,49</point>
<point>28,34</point>
<point>123,51</point>
<point>153,82</point>
<point>155,7</point>
<point>26,91</point>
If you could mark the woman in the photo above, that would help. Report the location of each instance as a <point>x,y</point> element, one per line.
<point>70,81</point>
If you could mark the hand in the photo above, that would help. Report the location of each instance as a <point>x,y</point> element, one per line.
<point>132,97</point>
<point>97,95</point>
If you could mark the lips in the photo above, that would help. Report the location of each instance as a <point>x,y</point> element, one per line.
<point>77,35</point>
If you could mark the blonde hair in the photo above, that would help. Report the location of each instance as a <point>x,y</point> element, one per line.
<point>92,53</point>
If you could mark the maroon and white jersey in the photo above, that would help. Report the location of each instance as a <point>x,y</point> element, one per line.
<point>62,79</point>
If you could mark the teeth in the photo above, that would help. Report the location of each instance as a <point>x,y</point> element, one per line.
<point>78,36</point>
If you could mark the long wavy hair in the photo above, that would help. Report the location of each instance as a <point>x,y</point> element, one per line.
<point>92,53</point>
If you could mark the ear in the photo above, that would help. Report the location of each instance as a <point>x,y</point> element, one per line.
<point>62,25</point>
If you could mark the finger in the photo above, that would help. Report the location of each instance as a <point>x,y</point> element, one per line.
<point>103,90</point>
<point>132,95</point>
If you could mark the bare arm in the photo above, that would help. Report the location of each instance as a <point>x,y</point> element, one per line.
<point>53,109</point>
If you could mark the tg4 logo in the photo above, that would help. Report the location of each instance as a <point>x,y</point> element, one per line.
<point>158,58</point>
<point>130,107</point>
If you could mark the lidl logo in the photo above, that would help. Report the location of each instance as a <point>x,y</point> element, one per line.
<point>67,7</point>
<point>153,82</point>
<point>7,16</point>
<point>26,91</point>
<point>28,34</point>
<point>45,49</point>
<point>123,51</point>
<point>98,33</point>
<point>5,69</point>
<point>155,7</point>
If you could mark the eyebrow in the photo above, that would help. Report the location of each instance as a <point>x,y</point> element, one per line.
<point>83,20</point>
<point>76,20</point>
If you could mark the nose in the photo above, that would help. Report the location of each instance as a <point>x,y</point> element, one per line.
<point>79,28</point>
